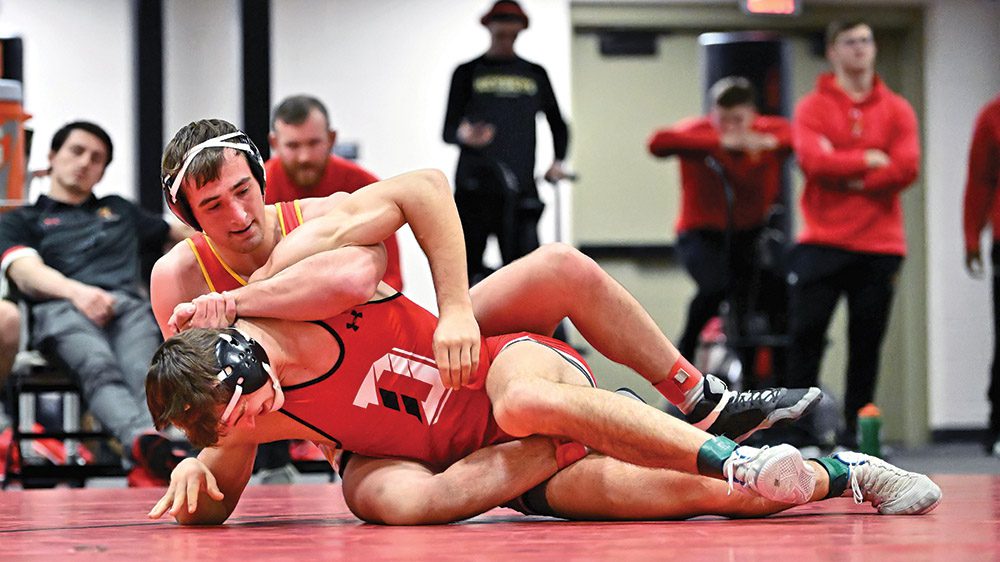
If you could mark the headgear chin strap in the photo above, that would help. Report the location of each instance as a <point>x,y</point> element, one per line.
<point>244,368</point>
<point>237,140</point>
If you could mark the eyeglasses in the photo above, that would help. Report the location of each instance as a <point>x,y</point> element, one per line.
<point>856,41</point>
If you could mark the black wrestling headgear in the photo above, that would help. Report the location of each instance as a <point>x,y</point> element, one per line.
<point>243,365</point>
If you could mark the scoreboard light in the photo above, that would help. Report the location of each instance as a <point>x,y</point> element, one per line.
<point>771,7</point>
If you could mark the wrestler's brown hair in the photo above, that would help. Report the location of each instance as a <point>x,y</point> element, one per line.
<point>183,389</point>
<point>206,165</point>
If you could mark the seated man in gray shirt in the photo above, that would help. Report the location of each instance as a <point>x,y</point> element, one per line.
<point>76,259</point>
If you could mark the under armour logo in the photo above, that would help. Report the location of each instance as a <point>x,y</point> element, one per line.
<point>353,323</point>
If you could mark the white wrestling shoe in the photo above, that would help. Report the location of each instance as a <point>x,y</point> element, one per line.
<point>777,473</point>
<point>890,489</point>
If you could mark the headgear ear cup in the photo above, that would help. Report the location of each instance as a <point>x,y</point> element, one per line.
<point>237,140</point>
<point>256,161</point>
<point>243,365</point>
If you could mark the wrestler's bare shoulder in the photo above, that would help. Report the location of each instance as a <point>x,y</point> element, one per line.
<point>179,266</point>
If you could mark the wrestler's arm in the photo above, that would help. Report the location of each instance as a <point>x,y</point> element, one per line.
<point>206,489</point>
<point>319,286</point>
<point>175,279</point>
<point>422,199</point>
<point>397,492</point>
<point>364,218</point>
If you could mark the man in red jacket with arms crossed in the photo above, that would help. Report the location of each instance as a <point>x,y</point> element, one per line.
<point>750,149</point>
<point>857,144</point>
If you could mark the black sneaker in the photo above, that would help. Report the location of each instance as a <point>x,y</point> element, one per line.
<point>159,455</point>
<point>737,415</point>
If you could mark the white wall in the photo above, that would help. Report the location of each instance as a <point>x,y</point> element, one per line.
<point>202,63</point>
<point>78,65</point>
<point>386,85</point>
<point>962,49</point>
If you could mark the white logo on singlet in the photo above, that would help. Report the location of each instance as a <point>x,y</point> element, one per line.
<point>389,368</point>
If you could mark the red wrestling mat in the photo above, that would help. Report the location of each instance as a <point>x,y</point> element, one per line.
<point>308,522</point>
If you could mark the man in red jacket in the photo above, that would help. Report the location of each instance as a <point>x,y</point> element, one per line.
<point>302,165</point>
<point>750,149</point>
<point>857,144</point>
<point>982,207</point>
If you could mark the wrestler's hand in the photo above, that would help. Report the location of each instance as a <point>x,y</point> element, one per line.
<point>456,347</point>
<point>187,481</point>
<point>214,310</point>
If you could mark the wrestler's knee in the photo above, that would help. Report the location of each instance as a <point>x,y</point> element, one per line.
<point>570,263</point>
<point>563,264</point>
<point>384,508</point>
<point>522,406</point>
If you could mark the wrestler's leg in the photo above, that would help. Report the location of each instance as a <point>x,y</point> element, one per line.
<point>601,488</point>
<point>398,492</point>
<point>557,281</point>
<point>536,292</point>
<point>535,391</point>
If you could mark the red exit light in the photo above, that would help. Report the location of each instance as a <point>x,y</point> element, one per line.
<point>771,7</point>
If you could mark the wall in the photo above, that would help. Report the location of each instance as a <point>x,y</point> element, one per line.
<point>202,65</point>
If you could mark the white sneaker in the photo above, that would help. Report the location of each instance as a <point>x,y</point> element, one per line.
<point>286,474</point>
<point>777,473</point>
<point>890,489</point>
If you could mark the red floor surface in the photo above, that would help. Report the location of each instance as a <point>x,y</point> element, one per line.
<point>311,522</point>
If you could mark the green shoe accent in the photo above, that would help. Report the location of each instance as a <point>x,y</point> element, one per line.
<point>713,455</point>
<point>839,476</point>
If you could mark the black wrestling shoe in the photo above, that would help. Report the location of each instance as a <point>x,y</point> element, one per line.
<point>158,455</point>
<point>737,415</point>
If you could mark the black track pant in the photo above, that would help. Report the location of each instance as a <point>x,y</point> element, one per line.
<point>819,276</point>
